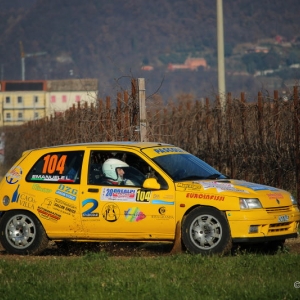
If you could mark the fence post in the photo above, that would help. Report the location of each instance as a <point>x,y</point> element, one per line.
<point>142,106</point>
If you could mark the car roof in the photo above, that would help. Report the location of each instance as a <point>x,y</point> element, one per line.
<point>134,144</point>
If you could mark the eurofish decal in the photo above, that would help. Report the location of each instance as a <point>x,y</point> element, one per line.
<point>205,196</point>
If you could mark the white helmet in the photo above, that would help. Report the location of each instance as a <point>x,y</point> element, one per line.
<point>110,165</point>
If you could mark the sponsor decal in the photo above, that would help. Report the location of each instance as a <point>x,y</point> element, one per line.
<point>48,215</point>
<point>275,196</point>
<point>26,200</point>
<point>168,150</point>
<point>15,196</point>
<point>162,215</point>
<point>221,186</point>
<point>258,187</point>
<point>38,188</point>
<point>143,196</point>
<point>133,214</point>
<point>188,186</point>
<point>14,175</point>
<point>162,210</point>
<point>119,194</point>
<point>90,211</point>
<point>170,197</point>
<point>162,202</point>
<point>45,210</point>
<point>55,178</point>
<point>66,192</point>
<point>205,196</point>
<point>64,207</point>
<point>111,212</point>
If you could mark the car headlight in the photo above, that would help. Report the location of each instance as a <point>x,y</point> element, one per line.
<point>294,201</point>
<point>249,203</point>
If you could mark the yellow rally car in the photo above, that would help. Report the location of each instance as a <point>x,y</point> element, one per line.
<point>131,191</point>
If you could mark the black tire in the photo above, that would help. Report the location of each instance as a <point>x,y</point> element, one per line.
<point>22,233</point>
<point>205,230</point>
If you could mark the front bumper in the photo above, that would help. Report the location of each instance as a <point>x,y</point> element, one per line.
<point>270,225</point>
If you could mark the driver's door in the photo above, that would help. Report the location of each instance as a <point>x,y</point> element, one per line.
<point>120,211</point>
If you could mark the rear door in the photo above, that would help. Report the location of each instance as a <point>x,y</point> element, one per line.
<point>54,180</point>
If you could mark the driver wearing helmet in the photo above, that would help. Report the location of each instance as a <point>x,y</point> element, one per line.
<point>113,169</point>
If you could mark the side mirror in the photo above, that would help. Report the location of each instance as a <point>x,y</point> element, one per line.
<point>151,184</point>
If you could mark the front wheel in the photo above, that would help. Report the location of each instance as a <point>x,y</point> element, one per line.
<point>22,233</point>
<point>205,230</point>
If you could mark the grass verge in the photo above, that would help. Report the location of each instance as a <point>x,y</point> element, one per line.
<point>184,276</point>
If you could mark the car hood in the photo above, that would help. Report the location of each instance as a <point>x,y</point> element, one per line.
<point>268,196</point>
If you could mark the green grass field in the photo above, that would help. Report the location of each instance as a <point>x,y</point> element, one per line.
<point>97,275</point>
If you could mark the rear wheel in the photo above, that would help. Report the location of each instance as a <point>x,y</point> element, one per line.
<point>205,230</point>
<point>22,233</point>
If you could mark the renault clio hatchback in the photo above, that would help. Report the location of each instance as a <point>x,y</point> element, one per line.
<point>131,191</point>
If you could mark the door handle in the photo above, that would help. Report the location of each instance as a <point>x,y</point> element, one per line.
<point>93,190</point>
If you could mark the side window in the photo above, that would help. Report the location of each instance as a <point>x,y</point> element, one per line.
<point>57,167</point>
<point>120,168</point>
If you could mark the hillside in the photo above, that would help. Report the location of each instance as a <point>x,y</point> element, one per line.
<point>108,40</point>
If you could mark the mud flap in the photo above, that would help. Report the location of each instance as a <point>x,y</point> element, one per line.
<point>177,246</point>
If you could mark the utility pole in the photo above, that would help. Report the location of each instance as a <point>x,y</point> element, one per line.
<point>221,63</point>
<point>142,106</point>
<point>23,55</point>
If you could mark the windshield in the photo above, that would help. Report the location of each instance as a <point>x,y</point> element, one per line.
<point>187,167</point>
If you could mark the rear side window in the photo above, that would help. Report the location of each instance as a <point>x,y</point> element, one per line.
<point>57,167</point>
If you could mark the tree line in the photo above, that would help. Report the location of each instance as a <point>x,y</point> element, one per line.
<point>256,141</point>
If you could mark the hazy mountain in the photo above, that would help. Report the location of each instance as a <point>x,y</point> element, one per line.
<point>113,39</point>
